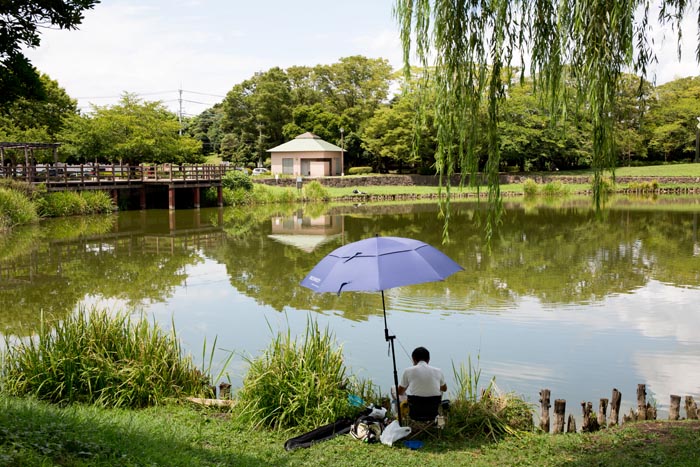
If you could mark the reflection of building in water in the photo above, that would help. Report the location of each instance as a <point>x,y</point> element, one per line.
<point>306,232</point>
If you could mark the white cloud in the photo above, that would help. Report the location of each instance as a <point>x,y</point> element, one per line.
<point>159,45</point>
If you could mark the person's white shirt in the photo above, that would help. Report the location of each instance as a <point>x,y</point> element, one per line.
<point>422,380</point>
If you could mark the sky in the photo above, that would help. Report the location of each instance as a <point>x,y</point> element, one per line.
<point>155,48</point>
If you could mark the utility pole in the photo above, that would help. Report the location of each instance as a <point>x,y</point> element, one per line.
<point>342,152</point>
<point>179,114</point>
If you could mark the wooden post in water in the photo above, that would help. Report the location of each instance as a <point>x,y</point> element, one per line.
<point>559,410</point>
<point>602,409</point>
<point>641,402</point>
<point>544,416</point>
<point>674,412</point>
<point>691,408</point>
<point>224,390</point>
<point>615,407</point>
<point>571,424</point>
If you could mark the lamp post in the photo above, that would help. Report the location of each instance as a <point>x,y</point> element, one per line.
<point>342,152</point>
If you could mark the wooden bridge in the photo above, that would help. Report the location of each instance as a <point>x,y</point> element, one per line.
<point>143,179</point>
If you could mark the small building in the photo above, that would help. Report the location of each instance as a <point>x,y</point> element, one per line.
<point>307,155</point>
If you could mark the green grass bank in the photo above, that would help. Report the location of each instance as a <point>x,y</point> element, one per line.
<point>39,434</point>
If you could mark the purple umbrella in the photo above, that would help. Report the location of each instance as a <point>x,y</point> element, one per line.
<point>380,263</point>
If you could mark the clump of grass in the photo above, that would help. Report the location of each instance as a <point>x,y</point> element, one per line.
<point>70,203</point>
<point>15,208</point>
<point>314,191</point>
<point>483,413</point>
<point>287,196</point>
<point>644,187</point>
<point>530,187</point>
<point>554,189</point>
<point>297,384</point>
<point>108,360</point>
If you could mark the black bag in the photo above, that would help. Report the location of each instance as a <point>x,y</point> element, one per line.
<point>323,433</point>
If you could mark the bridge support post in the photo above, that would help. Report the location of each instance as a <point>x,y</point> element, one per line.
<point>142,197</point>
<point>220,195</point>
<point>115,198</point>
<point>196,198</point>
<point>171,198</point>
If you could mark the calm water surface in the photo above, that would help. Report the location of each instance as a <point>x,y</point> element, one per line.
<point>564,300</point>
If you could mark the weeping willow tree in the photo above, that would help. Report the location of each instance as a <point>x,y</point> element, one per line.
<point>468,50</point>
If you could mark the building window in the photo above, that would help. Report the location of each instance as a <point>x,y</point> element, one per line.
<point>288,165</point>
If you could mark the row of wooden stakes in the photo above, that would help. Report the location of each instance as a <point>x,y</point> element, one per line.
<point>594,422</point>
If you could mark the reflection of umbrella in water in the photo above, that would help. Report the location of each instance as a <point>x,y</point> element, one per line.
<point>380,263</point>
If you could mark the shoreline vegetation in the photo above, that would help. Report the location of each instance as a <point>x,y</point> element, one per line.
<point>21,203</point>
<point>102,389</point>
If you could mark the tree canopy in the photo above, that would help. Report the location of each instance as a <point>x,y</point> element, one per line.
<point>470,47</point>
<point>20,22</point>
<point>130,132</point>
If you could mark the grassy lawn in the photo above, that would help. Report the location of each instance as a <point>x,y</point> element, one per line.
<point>33,433</point>
<point>671,170</point>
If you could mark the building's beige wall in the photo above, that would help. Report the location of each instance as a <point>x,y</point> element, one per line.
<point>321,163</point>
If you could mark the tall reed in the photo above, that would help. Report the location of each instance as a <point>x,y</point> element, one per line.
<point>302,384</point>
<point>96,357</point>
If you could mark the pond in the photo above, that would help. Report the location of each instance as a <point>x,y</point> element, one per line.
<point>564,299</point>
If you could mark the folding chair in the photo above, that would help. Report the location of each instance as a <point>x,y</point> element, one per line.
<point>424,416</point>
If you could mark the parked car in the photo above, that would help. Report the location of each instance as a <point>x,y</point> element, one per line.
<point>260,171</point>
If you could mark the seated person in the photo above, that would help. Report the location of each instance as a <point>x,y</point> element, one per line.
<point>422,379</point>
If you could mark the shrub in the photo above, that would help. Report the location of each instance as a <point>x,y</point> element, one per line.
<point>288,196</point>
<point>296,384</point>
<point>359,170</point>
<point>71,203</point>
<point>237,179</point>
<point>530,187</point>
<point>262,194</point>
<point>97,202</point>
<point>554,189</point>
<point>15,208</point>
<point>94,357</point>
<point>314,191</point>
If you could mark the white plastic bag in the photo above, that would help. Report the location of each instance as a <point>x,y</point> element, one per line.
<point>394,432</point>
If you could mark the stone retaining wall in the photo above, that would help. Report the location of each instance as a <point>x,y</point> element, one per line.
<point>432,180</point>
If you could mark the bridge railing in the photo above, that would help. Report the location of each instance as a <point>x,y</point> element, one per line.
<point>114,173</point>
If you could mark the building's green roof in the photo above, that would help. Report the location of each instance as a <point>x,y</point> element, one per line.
<point>308,142</point>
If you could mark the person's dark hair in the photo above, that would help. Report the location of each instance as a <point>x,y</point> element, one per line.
<point>420,354</point>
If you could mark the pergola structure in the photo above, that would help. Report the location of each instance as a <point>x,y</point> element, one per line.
<point>28,149</point>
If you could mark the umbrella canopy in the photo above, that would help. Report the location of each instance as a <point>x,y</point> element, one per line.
<point>379,263</point>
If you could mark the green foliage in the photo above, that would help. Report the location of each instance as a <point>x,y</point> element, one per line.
<point>359,170</point>
<point>130,132</point>
<point>237,179</point>
<point>19,29</point>
<point>71,203</point>
<point>314,191</point>
<point>96,357</point>
<point>554,189</point>
<point>15,208</point>
<point>482,413</point>
<point>644,187</point>
<point>296,384</point>
<point>530,187</point>
<point>472,50</point>
<point>288,196</point>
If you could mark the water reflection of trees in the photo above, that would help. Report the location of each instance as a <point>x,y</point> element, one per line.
<point>53,273</point>
<point>559,255</point>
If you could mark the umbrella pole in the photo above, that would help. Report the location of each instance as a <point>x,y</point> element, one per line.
<point>390,339</point>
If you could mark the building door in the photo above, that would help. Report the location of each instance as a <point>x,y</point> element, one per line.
<point>305,167</point>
